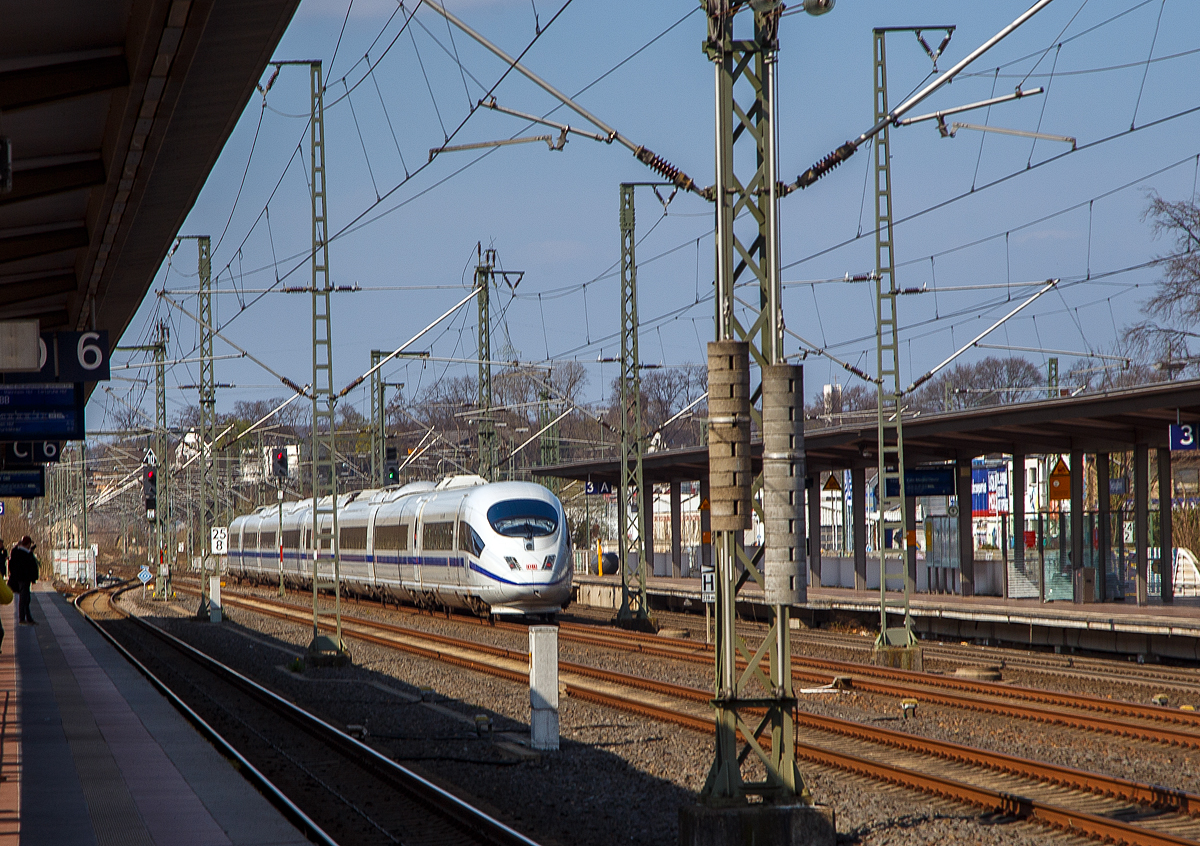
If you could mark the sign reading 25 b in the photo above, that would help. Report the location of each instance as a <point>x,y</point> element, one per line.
<point>1185,436</point>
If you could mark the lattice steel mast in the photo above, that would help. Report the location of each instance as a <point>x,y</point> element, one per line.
<point>749,702</point>
<point>208,417</point>
<point>634,608</point>
<point>324,398</point>
<point>162,493</point>
<point>889,413</point>
<point>378,432</point>
<point>484,273</point>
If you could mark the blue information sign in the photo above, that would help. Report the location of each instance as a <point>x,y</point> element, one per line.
<point>46,412</point>
<point>596,488</point>
<point>69,357</point>
<point>17,453</point>
<point>1184,436</point>
<point>26,484</point>
<point>924,481</point>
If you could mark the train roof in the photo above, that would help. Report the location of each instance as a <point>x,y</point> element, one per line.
<point>383,496</point>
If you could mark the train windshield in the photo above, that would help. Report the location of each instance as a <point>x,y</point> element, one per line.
<point>523,518</point>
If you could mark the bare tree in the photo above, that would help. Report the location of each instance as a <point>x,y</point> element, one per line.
<point>1165,337</point>
<point>991,381</point>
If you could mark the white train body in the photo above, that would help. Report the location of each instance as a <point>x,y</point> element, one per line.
<point>503,547</point>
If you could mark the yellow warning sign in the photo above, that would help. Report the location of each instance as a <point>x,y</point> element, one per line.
<point>704,505</point>
<point>1060,481</point>
<point>832,484</point>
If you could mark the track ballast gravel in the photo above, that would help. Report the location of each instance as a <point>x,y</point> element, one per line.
<point>618,778</point>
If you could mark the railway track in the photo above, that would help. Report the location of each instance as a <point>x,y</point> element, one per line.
<point>337,789</point>
<point>1076,711</point>
<point>1103,807</point>
<point>1127,719</point>
<point>1157,677</point>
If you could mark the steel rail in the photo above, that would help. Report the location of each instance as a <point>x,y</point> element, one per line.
<point>1035,705</point>
<point>904,683</point>
<point>277,797</point>
<point>663,647</point>
<point>458,812</point>
<point>1075,666</point>
<point>998,801</point>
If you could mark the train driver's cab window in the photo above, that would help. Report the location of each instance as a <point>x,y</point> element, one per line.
<point>523,518</point>
<point>469,540</point>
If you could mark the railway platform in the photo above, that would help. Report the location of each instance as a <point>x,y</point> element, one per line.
<point>1146,632</point>
<point>91,753</point>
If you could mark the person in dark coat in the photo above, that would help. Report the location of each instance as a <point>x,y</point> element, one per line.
<point>23,572</point>
<point>3,575</point>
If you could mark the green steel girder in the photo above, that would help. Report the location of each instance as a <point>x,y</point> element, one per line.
<point>324,399</point>
<point>632,492</point>
<point>747,243</point>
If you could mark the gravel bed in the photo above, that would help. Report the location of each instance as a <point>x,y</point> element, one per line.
<point>1133,690</point>
<point>1122,757</point>
<point>617,778</point>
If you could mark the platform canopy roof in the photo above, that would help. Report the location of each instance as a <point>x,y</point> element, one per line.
<point>116,111</point>
<point>1111,421</point>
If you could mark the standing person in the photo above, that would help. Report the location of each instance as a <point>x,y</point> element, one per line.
<point>23,569</point>
<point>3,575</point>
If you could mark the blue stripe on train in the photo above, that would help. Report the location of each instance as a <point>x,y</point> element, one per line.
<point>494,577</point>
<point>402,560</point>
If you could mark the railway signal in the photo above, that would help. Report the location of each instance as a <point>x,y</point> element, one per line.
<point>391,467</point>
<point>150,489</point>
<point>279,462</point>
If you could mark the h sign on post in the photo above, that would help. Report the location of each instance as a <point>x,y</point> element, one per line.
<point>1183,436</point>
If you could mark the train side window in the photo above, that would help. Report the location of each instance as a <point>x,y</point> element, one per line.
<point>291,538</point>
<point>352,537</point>
<point>393,536</point>
<point>267,539</point>
<point>469,540</point>
<point>249,540</point>
<point>437,536</point>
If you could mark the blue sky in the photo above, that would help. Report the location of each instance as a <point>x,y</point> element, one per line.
<point>972,210</point>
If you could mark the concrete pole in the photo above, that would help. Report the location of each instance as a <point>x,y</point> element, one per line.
<point>814,530</point>
<point>1166,542</point>
<point>1141,509</point>
<point>1104,508</point>
<point>858,504</point>
<point>1076,459</point>
<point>966,539</point>
<point>543,687</point>
<point>676,529</point>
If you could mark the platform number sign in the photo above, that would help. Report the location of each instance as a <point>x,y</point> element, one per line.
<point>1184,436</point>
<point>597,488</point>
<point>708,586</point>
<point>220,540</point>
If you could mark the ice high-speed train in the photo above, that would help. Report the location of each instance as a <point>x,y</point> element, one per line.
<point>502,548</point>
